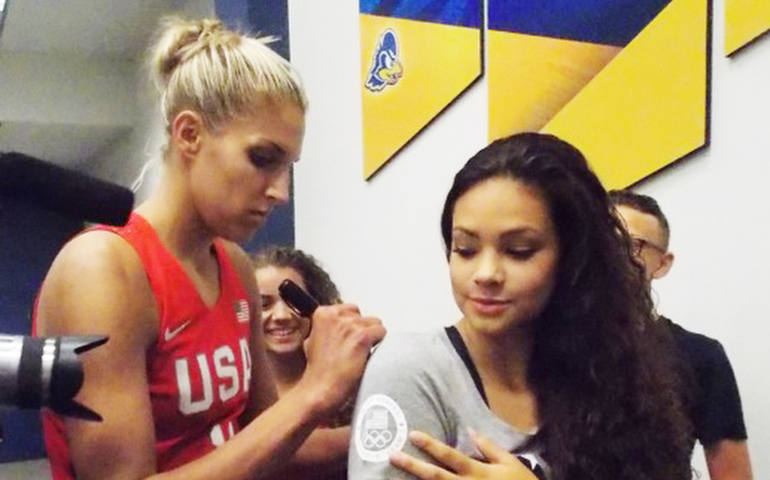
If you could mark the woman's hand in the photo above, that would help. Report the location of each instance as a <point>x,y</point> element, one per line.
<point>502,465</point>
<point>337,351</point>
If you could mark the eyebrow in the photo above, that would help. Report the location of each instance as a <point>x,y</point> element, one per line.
<point>507,233</point>
<point>268,146</point>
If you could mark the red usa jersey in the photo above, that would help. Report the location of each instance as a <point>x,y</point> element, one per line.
<point>198,370</point>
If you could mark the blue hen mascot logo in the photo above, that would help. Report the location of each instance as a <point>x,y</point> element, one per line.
<point>386,68</point>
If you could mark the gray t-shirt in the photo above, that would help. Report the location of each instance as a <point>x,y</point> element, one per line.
<point>420,382</point>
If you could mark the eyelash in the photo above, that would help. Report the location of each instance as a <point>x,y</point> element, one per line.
<point>463,252</point>
<point>518,254</point>
<point>263,161</point>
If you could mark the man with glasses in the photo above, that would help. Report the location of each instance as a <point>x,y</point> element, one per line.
<point>713,403</point>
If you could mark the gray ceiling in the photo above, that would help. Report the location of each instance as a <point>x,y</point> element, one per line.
<point>98,31</point>
<point>102,28</point>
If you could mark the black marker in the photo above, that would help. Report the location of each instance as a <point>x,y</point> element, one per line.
<point>297,299</point>
<point>300,301</point>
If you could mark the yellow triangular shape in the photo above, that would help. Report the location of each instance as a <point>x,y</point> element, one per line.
<point>532,77</point>
<point>647,108</point>
<point>745,20</point>
<point>439,62</point>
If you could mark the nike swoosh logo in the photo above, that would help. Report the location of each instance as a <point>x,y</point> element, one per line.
<point>169,334</point>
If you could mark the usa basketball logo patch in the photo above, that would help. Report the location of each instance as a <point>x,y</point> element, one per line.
<point>380,429</point>
<point>386,69</point>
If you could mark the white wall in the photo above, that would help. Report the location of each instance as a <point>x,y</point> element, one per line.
<point>380,239</point>
<point>717,206</point>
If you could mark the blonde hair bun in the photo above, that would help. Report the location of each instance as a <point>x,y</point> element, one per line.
<point>220,73</point>
<point>178,40</point>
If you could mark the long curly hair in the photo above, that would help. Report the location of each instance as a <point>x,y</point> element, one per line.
<point>602,369</point>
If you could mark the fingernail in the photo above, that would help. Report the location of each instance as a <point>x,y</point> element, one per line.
<point>472,433</point>
<point>397,457</point>
<point>418,438</point>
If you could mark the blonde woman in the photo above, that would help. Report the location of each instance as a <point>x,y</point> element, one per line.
<point>183,384</point>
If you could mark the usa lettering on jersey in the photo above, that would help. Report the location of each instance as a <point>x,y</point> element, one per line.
<point>216,368</point>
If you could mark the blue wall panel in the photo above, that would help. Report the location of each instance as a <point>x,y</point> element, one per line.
<point>30,238</point>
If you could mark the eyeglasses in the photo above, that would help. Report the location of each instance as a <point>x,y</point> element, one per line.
<point>639,244</point>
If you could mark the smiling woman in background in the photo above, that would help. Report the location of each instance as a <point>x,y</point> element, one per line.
<point>183,383</point>
<point>556,357</point>
<point>284,332</point>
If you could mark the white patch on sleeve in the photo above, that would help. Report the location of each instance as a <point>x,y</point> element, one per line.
<point>380,428</point>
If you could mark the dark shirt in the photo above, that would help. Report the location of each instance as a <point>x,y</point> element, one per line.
<point>712,398</point>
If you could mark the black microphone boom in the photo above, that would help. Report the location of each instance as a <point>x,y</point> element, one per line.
<point>64,191</point>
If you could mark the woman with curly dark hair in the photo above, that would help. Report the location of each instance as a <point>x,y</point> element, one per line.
<point>556,358</point>
<point>285,332</point>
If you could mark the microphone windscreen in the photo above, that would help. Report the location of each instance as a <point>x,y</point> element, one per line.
<point>64,191</point>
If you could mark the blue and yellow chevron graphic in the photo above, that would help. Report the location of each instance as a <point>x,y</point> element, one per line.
<point>745,21</point>
<point>417,56</point>
<point>623,80</point>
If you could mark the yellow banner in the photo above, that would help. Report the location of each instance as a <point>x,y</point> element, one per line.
<point>745,20</point>
<point>647,107</point>
<point>410,71</point>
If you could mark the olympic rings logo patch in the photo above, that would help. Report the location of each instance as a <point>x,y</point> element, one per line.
<point>380,428</point>
<point>377,439</point>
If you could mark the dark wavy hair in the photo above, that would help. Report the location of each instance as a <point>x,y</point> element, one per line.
<point>317,281</point>
<point>602,369</point>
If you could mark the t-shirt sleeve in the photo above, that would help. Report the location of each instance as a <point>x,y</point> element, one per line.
<point>721,412</point>
<point>398,393</point>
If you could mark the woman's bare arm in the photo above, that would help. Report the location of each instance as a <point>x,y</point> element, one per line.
<point>97,286</point>
<point>94,287</point>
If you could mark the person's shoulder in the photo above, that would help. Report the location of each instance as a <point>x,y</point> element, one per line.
<point>410,369</point>
<point>97,252</point>
<point>95,281</point>
<point>696,345</point>
<point>411,351</point>
<point>414,345</point>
